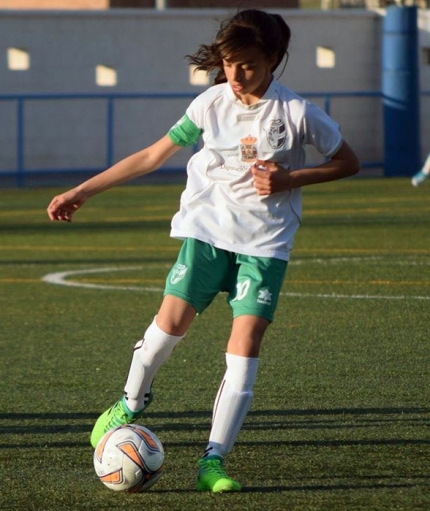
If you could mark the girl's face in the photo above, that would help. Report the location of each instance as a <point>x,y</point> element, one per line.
<point>248,73</point>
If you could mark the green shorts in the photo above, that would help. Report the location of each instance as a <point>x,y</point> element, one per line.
<point>202,271</point>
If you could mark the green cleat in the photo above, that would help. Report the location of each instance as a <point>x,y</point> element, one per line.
<point>212,476</point>
<point>115,416</point>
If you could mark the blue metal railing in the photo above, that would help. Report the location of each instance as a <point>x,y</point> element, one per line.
<point>20,171</point>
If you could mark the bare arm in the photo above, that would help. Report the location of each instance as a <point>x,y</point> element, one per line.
<point>274,178</point>
<point>138,164</point>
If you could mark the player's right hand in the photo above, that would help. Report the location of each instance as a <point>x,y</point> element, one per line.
<point>62,207</point>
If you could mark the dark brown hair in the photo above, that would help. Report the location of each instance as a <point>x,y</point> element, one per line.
<point>250,27</point>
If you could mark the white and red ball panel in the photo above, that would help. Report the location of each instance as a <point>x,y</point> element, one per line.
<point>129,458</point>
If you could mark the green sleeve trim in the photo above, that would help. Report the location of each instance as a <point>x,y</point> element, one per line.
<point>184,133</point>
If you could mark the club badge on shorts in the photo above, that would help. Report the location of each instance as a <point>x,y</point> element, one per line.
<point>178,273</point>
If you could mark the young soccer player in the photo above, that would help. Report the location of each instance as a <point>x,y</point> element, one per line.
<point>423,174</point>
<point>237,217</point>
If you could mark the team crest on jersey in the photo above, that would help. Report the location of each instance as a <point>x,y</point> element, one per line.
<point>248,149</point>
<point>178,273</point>
<point>276,134</point>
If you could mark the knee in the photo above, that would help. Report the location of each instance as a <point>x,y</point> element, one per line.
<point>172,328</point>
<point>175,316</point>
<point>247,335</point>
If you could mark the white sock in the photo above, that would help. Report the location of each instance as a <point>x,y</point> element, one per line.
<point>232,404</point>
<point>149,354</point>
<point>426,166</point>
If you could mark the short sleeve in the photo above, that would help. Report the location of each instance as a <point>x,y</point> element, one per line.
<point>321,131</point>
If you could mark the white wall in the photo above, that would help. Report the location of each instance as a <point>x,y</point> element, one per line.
<point>147,49</point>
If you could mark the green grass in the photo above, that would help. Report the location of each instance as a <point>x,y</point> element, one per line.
<point>341,409</point>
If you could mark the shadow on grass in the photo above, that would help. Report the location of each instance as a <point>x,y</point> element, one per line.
<point>60,260</point>
<point>23,424</point>
<point>252,413</point>
<point>61,431</point>
<point>85,227</point>
<point>377,484</point>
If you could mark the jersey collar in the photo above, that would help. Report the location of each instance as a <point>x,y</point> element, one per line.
<point>268,95</point>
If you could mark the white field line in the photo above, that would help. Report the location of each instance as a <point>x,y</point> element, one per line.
<point>61,278</point>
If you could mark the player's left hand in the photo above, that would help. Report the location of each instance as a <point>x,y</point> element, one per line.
<point>269,177</point>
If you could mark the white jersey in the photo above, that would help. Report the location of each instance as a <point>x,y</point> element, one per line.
<point>220,205</point>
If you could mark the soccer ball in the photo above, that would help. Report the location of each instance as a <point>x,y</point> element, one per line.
<point>129,458</point>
